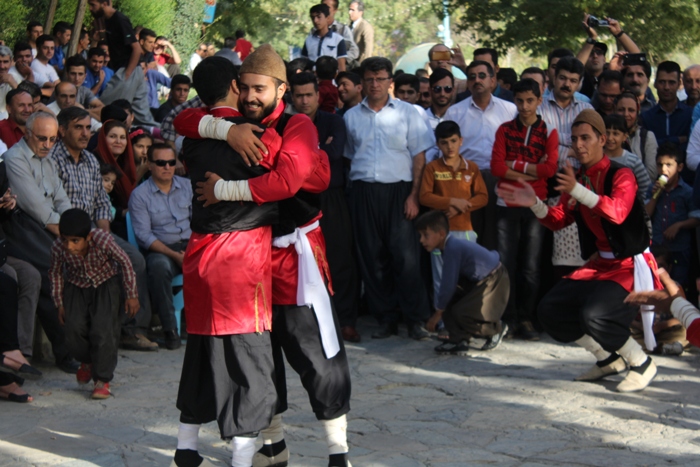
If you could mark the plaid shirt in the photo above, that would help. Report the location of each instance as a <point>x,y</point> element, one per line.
<point>102,262</point>
<point>82,182</point>
<point>167,129</point>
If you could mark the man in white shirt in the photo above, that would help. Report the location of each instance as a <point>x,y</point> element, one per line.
<point>23,61</point>
<point>479,117</point>
<point>45,75</point>
<point>197,57</point>
<point>8,79</point>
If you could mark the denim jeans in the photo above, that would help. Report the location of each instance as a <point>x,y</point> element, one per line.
<point>161,270</point>
<point>436,260</point>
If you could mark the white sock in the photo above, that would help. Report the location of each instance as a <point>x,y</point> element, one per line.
<point>633,353</point>
<point>588,343</point>
<point>243,450</point>
<point>273,433</point>
<point>336,434</point>
<point>188,436</point>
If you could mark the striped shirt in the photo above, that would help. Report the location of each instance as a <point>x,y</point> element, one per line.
<point>332,45</point>
<point>561,119</point>
<point>82,182</point>
<point>103,261</point>
<point>167,129</point>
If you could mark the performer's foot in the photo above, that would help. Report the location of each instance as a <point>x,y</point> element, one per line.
<point>350,334</point>
<point>101,390</point>
<point>452,348</point>
<point>189,458</point>
<point>387,330</point>
<point>527,331</point>
<point>418,332</point>
<point>638,377</point>
<point>495,340</point>
<point>612,365</point>
<point>272,455</point>
<point>339,460</point>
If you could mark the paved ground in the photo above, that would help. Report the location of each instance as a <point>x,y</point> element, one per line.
<point>515,406</point>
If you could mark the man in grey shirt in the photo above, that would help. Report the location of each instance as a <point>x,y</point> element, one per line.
<point>351,47</point>
<point>228,53</point>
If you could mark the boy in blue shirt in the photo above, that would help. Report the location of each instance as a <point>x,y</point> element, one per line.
<point>673,212</point>
<point>474,288</point>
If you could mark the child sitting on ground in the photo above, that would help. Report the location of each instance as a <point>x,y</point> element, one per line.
<point>326,71</point>
<point>84,276</point>
<point>473,291</point>
<point>616,131</point>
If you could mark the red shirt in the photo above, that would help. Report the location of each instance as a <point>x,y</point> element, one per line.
<point>10,133</point>
<point>328,95</point>
<point>243,47</point>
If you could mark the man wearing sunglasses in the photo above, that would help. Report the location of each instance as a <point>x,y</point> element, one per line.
<point>440,95</point>
<point>161,209</point>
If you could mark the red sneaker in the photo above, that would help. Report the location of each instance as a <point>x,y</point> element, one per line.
<point>101,390</point>
<point>84,374</point>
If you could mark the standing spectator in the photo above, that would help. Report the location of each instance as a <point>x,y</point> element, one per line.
<point>642,142</point>
<point>406,88</point>
<point>538,75</point>
<point>479,117</point>
<point>243,46</point>
<point>362,31</point>
<point>339,28</point>
<point>45,75</point>
<point>198,55</point>
<point>326,71</point>
<point>635,77</point>
<point>76,71</point>
<point>34,31</point>
<point>20,106</point>
<point>62,32</point>
<point>322,41</point>
<point>424,94</point>
<point>441,56</point>
<point>83,44</point>
<point>147,41</point>
<point>349,90</point>
<point>179,91</point>
<point>66,96</point>
<point>97,75</point>
<point>491,56</point>
<point>441,93</point>
<point>125,53</point>
<point>161,209</point>
<point>609,88</point>
<point>552,59</point>
<point>616,132</point>
<point>228,52</point>
<point>386,145</point>
<point>594,64</point>
<point>170,58</point>
<point>691,85</point>
<point>8,79</point>
<point>524,151</point>
<point>23,59</point>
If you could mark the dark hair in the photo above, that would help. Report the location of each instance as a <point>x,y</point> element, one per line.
<point>525,85</point>
<point>302,79</point>
<point>158,147</point>
<point>440,74</point>
<point>615,122</point>
<point>113,112</point>
<point>180,79</point>
<point>669,67</point>
<point>671,150</point>
<point>320,8</point>
<point>489,51</point>
<point>145,32</point>
<point>30,88</point>
<point>75,223</point>
<point>240,33</point>
<point>212,79</point>
<point>61,27</point>
<point>71,114</point>
<point>476,63</point>
<point>447,129</point>
<point>106,169</point>
<point>354,78</point>
<point>298,65</point>
<point>375,64</point>
<point>646,68</point>
<point>558,53</point>
<point>610,76</point>
<point>124,104</point>
<point>533,70</point>
<point>434,220</point>
<point>32,24</point>
<point>142,133</point>
<point>628,95</point>
<point>14,92</point>
<point>103,43</point>
<point>326,67</point>
<point>335,4</point>
<point>76,60</point>
<point>508,76</point>
<point>229,42</point>
<point>21,46</point>
<point>570,64</point>
<point>96,51</point>
<point>43,39</point>
<point>407,79</point>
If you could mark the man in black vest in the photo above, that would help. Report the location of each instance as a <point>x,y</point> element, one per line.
<point>587,307</point>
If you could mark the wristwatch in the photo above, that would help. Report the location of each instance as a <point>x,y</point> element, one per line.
<point>590,40</point>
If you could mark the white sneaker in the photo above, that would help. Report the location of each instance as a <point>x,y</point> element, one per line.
<point>599,372</point>
<point>280,460</point>
<point>636,381</point>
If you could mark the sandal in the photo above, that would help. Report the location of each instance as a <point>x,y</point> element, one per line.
<point>12,397</point>
<point>24,368</point>
<point>453,348</point>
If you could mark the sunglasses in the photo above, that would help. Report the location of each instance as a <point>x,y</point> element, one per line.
<point>161,163</point>
<point>439,89</point>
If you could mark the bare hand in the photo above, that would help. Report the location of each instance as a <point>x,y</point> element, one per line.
<point>132,307</point>
<point>671,232</point>
<point>102,77</point>
<point>62,316</point>
<point>180,168</point>
<point>616,62</point>
<point>329,140</point>
<point>179,258</point>
<point>523,195</point>
<point>410,208</point>
<point>458,58</point>
<point>589,30</point>
<point>451,212</point>
<point>462,205</point>
<point>206,189</point>
<point>53,228</point>
<point>615,27</point>
<point>243,140</point>
<point>567,179</point>
<point>661,299</point>
<point>433,321</point>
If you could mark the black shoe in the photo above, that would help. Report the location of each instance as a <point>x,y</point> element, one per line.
<point>527,331</point>
<point>172,340</point>
<point>338,460</point>
<point>69,365</point>
<point>418,332</point>
<point>387,330</point>
<point>495,340</point>
<point>452,348</point>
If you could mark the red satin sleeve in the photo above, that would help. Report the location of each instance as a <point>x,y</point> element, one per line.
<point>616,207</point>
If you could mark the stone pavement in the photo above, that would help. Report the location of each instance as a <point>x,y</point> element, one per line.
<point>515,406</point>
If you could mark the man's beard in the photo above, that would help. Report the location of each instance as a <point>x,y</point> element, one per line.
<point>266,111</point>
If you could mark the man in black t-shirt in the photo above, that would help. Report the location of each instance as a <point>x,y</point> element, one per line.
<point>125,52</point>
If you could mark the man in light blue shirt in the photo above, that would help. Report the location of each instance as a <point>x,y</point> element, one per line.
<point>161,209</point>
<point>386,144</point>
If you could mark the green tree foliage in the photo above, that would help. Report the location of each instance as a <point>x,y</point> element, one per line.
<point>154,15</point>
<point>659,27</point>
<point>186,30</point>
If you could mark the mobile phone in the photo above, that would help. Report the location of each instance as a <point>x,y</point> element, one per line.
<point>441,55</point>
<point>634,58</point>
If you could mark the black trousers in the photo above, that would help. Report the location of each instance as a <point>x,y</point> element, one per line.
<point>8,314</point>
<point>484,220</point>
<point>230,379</point>
<point>574,308</point>
<point>388,252</point>
<point>327,381</point>
<point>337,230</point>
<point>92,325</point>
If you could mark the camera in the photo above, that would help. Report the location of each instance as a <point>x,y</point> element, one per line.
<point>594,22</point>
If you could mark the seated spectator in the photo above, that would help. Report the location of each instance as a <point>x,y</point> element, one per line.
<point>109,175</point>
<point>147,41</point>
<point>23,59</point>
<point>76,69</point>
<point>197,57</point>
<point>45,75</point>
<point>167,129</point>
<point>20,106</point>
<point>141,141</point>
<point>66,94</point>
<point>616,130</point>
<point>8,79</point>
<point>179,92</point>
<point>126,106</point>
<point>34,31</point>
<point>326,71</point>
<point>153,79</point>
<point>161,209</point>
<point>83,44</point>
<point>349,90</point>
<point>172,59</point>
<point>61,32</point>
<point>673,212</point>
<point>98,74</point>
<point>323,41</point>
<point>473,289</point>
<point>641,141</point>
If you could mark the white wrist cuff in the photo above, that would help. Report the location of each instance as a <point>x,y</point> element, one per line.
<point>684,311</point>
<point>584,196</point>
<point>214,128</point>
<point>233,190</point>
<point>539,209</point>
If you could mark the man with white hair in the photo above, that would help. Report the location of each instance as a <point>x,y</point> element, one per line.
<point>8,79</point>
